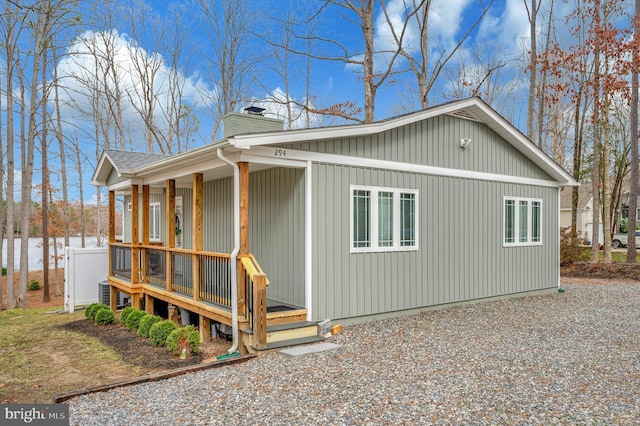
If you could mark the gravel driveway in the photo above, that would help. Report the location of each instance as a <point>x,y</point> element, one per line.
<point>563,358</point>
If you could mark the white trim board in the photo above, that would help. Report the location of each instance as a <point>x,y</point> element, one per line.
<point>399,166</point>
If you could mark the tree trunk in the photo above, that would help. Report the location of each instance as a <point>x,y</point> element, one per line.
<point>533,68</point>
<point>606,189</point>
<point>596,171</point>
<point>46,295</point>
<point>633,135</point>
<point>10,67</point>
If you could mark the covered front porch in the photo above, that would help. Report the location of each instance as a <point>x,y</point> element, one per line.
<point>159,254</point>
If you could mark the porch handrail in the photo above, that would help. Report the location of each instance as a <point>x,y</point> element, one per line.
<point>252,267</point>
<point>184,251</point>
<point>256,283</point>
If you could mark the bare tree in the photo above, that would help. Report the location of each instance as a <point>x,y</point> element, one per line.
<point>532,14</point>
<point>227,25</point>
<point>426,69</point>
<point>12,24</point>
<point>40,31</point>
<point>633,141</point>
<point>146,67</point>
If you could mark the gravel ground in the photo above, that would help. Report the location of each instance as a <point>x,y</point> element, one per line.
<point>567,358</point>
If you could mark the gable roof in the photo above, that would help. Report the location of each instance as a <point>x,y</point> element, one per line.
<point>124,162</point>
<point>471,109</point>
<point>584,196</point>
<point>130,164</point>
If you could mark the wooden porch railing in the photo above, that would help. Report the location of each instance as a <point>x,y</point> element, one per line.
<point>120,261</point>
<point>256,283</point>
<point>212,277</point>
<point>209,281</point>
<point>215,276</point>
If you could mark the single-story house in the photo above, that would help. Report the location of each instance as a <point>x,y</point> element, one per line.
<point>269,227</point>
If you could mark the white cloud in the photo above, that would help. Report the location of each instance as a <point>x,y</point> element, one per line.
<point>100,63</point>
<point>509,28</point>
<point>278,105</point>
<point>446,18</point>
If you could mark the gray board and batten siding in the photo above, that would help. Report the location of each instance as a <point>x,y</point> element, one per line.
<point>461,256</point>
<point>435,142</point>
<point>276,227</point>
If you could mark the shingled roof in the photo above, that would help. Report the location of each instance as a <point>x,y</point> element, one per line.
<point>124,162</point>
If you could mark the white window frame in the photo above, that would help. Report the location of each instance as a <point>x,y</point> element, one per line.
<point>155,229</point>
<point>516,220</point>
<point>373,219</point>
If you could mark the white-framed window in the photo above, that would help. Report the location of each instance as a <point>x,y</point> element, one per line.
<point>383,219</point>
<point>154,221</point>
<point>522,221</point>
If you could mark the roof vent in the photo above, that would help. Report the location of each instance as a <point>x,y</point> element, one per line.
<point>254,110</point>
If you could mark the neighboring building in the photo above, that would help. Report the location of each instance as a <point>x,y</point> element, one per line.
<point>584,221</point>
<point>351,223</point>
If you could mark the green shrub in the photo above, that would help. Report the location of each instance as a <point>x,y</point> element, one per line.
<point>132,322</point>
<point>160,331</point>
<point>146,323</point>
<point>125,313</point>
<point>104,316</point>
<point>89,310</point>
<point>34,285</point>
<point>184,338</point>
<point>4,271</point>
<point>93,309</point>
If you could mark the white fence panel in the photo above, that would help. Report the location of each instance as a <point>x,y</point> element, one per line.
<point>84,269</point>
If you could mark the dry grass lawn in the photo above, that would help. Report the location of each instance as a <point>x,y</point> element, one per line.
<point>39,359</point>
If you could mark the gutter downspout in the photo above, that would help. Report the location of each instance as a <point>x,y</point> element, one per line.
<point>236,249</point>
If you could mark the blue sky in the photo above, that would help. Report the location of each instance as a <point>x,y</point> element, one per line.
<point>502,36</point>
<point>333,82</point>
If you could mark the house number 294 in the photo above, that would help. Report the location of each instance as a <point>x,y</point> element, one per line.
<point>280,152</point>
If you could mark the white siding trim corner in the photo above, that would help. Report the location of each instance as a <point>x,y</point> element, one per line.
<point>308,229</point>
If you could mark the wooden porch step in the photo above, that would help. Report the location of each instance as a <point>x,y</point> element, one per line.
<point>281,327</point>
<point>286,335</point>
<point>288,343</point>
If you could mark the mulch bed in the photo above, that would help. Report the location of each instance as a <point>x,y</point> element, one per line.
<point>602,270</point>
<point>133,349</point>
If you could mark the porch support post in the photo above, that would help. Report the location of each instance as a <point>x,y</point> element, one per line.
<point>205,329</point>
<point>136,300</point>
<point>170,230</point>
<point>259,310</point>
<point>135,236</point>
<point>112,227</point>
<point>146,200</point>
<point>113,299</point>
<point>244,233</point>
<point>112,217</point>
<point>196,231</point>
<point>148,304</point>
